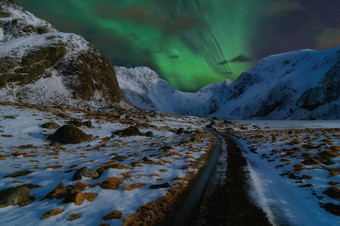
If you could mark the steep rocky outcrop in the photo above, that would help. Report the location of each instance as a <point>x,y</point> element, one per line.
<point>40,65</point>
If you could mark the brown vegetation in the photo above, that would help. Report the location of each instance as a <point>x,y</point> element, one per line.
<point>53,212</point>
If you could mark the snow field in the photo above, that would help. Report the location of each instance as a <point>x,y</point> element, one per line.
<point>141,162</point>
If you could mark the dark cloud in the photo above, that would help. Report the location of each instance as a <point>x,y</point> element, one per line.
<point>136,13</point>
<point>239,59</point>
<point>183,24</point>
<point>328,38</point>
<point>279,7</point>
<point>175,57</point>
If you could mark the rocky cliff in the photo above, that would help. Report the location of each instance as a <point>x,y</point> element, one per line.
<point>40,65</point>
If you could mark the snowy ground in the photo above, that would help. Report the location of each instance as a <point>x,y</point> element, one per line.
<point>137,162</point>
<point>294,172</point>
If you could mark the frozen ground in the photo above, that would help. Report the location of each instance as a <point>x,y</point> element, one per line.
<point>294,172</point>
<point>289,124</point>
<point>144,168</point>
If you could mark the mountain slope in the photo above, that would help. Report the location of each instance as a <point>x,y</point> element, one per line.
<point>40,65</point>
<point>143,87</point>
<point>298,85</point>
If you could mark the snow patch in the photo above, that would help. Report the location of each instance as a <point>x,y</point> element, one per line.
<point>2,35</point>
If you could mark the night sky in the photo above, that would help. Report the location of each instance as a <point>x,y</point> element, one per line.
<point>192,43</point>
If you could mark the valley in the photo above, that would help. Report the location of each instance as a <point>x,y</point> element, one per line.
<point>83,142</point>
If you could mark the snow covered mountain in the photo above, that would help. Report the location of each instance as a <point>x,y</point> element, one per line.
<point>143,87</point>
<point>40,65</point>
<point>297,85</point>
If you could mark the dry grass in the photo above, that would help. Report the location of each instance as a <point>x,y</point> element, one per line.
<point>74,216</point>
<point>130,187</point>
<point>53,212</point>
<point>111,183</point>
<point>333,192</point>
<point>113,215</point>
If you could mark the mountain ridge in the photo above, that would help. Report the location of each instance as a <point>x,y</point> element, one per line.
<point>302,84</point>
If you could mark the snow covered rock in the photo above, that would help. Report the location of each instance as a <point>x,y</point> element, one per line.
<point>40,65</point>
<point>298,85</point>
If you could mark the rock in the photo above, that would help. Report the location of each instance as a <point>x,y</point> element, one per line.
<point>79,187</point>
<point>149,134</point>
<point>50,125</point>
<point>130,131</point>
<point>79,123</point>
<point>85,172</point>
<point>180,131</point>
<point>75,122</point>
<point>78,198</point>
<point>70,135</point>
<point>88,124</point>
<point>14,196</point>
<point>158,186</point>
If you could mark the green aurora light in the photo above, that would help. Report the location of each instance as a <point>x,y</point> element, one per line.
<point>189,43</point>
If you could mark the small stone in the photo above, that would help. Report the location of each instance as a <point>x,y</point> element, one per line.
<point>180,131</point>
<point>50,125</point>
<point>149,134</point>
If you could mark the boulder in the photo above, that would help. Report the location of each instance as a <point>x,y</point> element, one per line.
<point>50,125</point>
<point>85,172</point>
<point>130,131</point>
<point>14,196</point>
<point>70,135</point>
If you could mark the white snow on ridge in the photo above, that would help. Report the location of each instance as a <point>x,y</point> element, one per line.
<point>273,89</point>
<point>143,87</point>
<point>18,47</point>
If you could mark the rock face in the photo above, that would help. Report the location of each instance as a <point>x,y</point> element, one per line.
<point>14,196</point>
<point>40,65</point>
<point>298,85</point>
<point>70,135</point>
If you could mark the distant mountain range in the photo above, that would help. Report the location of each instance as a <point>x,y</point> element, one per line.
<point>40,65</point>
<point>297,85</point>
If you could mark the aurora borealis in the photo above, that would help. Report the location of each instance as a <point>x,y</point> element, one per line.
<point>192,43</point>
